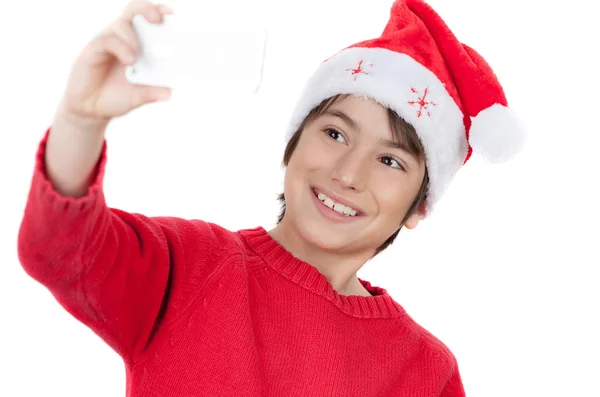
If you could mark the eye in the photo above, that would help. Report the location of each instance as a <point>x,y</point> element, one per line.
<point>392,162</point>
<point>335,134</point>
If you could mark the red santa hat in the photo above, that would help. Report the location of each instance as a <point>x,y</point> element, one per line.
<point>444,88</point>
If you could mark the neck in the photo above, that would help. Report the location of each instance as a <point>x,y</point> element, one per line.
<point>339,268</point>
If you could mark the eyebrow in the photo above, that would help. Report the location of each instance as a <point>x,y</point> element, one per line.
<point>382,141</point>
<point>347,119</point>
<point>395,145</point>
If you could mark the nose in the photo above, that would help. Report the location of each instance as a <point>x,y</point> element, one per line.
<point>352,170</point>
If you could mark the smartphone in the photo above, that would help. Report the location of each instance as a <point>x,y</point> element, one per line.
<point>182,53</point>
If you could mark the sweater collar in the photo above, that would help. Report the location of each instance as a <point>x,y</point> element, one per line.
<point>379,305</point>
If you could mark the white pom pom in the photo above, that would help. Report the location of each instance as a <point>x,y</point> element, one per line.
<point>496,133</point>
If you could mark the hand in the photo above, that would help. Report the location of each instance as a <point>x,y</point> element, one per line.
<point>97,89</point>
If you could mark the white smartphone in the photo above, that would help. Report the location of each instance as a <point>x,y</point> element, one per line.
<point>181,53</point>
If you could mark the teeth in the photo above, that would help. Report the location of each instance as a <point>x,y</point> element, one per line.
<point>339,208</point>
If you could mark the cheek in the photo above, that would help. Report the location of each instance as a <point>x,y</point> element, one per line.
<point>298,173</point>
<point>311,154</point>
<point>392,199</point>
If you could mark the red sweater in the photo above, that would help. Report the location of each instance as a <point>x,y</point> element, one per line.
<point>197,310</point>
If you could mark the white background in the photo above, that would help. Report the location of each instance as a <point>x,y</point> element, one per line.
<point>504,272</point>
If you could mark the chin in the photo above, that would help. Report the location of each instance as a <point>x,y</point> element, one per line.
<point>323,237</point>
<point>326,233</point>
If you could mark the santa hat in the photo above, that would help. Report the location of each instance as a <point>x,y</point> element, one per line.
<point>443,88</point>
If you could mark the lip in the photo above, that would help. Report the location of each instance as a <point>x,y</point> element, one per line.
<point>337,199</point>
<point>330,214</point>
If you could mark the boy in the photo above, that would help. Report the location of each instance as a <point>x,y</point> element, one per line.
<point>197,310</point>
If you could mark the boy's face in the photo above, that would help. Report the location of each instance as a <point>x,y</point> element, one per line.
<point>343,155</point>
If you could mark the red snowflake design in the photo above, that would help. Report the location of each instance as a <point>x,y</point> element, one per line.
<point>422,102</point>
<point>358,70</point>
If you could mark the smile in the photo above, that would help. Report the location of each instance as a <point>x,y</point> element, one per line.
<point>337,207</point>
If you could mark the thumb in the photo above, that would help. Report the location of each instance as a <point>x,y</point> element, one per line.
<point>142,95</point>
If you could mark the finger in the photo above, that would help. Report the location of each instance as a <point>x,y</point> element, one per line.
<point>113,45</point>
<point>144,94</point>
<point>152,12</point>
<point>125,31</point>
<point>165,9</point>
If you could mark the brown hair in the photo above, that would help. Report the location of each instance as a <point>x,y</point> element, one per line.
<point>402,132</point>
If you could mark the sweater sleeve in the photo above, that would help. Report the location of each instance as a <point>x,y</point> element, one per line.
<point>116,272</point>
<point>454,386</point>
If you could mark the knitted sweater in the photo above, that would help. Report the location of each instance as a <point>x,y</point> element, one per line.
<point>194,309</point>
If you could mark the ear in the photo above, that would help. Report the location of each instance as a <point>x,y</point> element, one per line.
<point>415,218</point>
